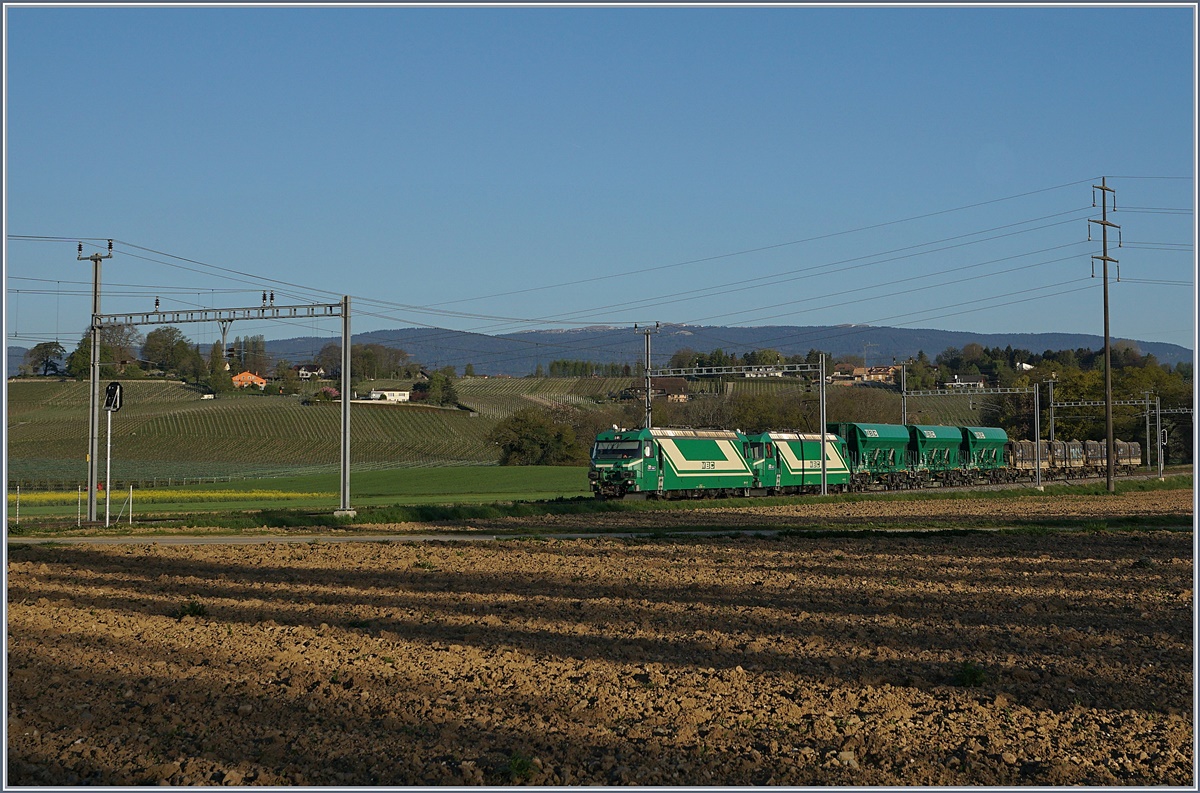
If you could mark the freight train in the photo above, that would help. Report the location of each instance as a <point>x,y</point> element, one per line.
<point>664,462</point>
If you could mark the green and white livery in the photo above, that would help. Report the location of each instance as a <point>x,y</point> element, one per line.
<point>790,462</point>
<point>670,463</point>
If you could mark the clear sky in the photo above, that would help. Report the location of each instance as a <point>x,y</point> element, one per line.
<point>502,169</point>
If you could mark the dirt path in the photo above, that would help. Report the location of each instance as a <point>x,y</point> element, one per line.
<point>1058,659</point>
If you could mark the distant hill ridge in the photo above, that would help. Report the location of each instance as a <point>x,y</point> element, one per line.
<point>519,354</point>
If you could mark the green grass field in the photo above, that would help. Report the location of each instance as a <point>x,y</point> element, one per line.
<point>522,493</point>
<point>398,487</point>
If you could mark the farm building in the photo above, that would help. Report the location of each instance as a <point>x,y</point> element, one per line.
<point>389,395</point>
<point>247,379</point>
<point>675,389</point>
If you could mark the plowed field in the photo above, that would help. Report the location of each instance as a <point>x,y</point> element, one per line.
<point>1060,658</point>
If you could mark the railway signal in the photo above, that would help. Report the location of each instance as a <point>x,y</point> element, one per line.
<point>112,403</point>
<point>112,397</point>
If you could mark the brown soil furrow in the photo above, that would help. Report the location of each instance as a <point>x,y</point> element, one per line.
<point>1055,659</point>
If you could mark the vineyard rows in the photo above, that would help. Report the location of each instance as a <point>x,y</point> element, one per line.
<point>182,435</point>
<point>955,411</point>
<point>499,398</point>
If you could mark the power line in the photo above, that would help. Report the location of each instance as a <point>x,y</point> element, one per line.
<point>811,271</point>
<point>700,320</point>
<point>643,271</point>
<point>257,281</point>
<point>871,325</point>
<point>765,281</point>
<point>780,245</point>
<point>150,288</point>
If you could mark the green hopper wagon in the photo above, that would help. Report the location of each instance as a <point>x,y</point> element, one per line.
<point>934,452</point>
<point>877,453</point>
<point>983,452</point>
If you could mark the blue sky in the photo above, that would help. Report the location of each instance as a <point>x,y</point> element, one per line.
<point>512,168</point>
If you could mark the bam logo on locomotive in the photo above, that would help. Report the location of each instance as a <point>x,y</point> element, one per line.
<point>722,456</point>
<point>833,459</point>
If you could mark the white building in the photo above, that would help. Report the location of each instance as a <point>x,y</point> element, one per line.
<point>307,372</point>
<point>388,395</point>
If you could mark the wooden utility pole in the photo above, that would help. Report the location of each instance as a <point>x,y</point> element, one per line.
<point>1105,258</point>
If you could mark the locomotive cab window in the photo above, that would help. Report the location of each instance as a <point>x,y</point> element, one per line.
<point>757,451</point>
<point>616,450</point>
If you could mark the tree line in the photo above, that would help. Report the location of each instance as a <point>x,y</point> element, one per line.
<point>166,351</point>
<point>563,436</point>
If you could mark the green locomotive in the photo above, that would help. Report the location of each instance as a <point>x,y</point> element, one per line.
<point>664,462</point>
<point>790,462</point>
<point>670,463</point>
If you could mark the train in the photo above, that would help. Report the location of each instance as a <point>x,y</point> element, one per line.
<point>681,462</point>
